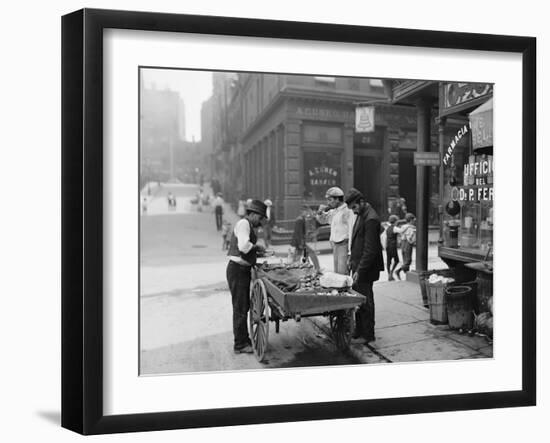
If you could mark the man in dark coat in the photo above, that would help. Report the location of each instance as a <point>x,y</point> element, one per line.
<point>365,260</point>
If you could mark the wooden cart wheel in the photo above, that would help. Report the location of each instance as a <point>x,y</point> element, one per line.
<point>258,319</point>
<point>341,323</point>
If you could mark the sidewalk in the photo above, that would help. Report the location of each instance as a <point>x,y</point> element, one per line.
<point>404,332</point>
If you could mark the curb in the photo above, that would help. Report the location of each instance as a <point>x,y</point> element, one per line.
<point>361,352</point>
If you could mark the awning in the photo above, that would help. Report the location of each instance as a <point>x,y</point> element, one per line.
<point>481,122</point>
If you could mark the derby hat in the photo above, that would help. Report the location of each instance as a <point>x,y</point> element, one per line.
<point>259,207</point>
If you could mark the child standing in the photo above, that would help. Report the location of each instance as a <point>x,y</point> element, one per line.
<point>392,258</point>
<point>408,241</point>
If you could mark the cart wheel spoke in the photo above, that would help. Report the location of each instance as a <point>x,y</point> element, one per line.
<point>259,318</point>
<point>342,329</point>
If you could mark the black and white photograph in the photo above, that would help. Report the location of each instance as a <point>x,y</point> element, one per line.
<point>302,220</point>
<point>251,221</point>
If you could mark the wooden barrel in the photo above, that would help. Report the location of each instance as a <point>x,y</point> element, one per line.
<point>484,291</point>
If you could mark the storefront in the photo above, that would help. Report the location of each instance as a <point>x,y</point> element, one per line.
<point>468,168</point>
<point>466,150</point>
<point>306,146</point>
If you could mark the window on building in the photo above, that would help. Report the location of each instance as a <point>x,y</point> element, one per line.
<point>322,170</point>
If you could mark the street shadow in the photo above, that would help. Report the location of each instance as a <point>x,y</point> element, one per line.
<point>54,417</point>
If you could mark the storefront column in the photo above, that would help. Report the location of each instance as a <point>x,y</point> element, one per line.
<point>422,184</point>
<point>347,157</point>
<point>441,128</point>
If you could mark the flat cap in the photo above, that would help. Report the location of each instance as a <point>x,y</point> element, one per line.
<point>335,191</point>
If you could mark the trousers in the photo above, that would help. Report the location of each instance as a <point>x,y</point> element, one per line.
<point>218,211</point>
<point>364,316</point>
<point>238,279</point>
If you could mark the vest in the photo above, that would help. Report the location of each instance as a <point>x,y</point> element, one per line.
<point>233,250</point>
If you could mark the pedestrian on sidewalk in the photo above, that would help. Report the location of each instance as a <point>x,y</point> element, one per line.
<point>242,256</point>
<point>269,223</point>
<point>408,241</point>
<point>200,197</point>
<point>218,210</point>
<point>365,261</point>
<point>392,257</point>
<point>338,215</point>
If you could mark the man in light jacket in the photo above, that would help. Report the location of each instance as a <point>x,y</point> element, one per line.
<point>340,218</point>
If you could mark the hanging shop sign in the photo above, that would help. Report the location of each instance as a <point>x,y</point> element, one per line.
<point>427,159</point>
<point>455,97</point>
<point>364,119</point>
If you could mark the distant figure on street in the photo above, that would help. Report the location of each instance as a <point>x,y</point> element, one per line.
<point>408,241</point>
<point>144,205</point>
<point>171,201</point>
<point>339,216</point>
<point>269,223</point>
<point>218,210</point>
<point>392,257</point>
<point>365,261</point>
<point>200,197</point>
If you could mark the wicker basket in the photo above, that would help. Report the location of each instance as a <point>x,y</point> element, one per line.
<point>423,277</point>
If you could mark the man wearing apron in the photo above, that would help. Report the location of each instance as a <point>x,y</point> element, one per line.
<point>242,256</point>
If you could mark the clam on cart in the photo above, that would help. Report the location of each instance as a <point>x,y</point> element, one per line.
<point>281,292</point>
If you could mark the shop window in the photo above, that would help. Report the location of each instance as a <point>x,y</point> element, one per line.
<point>322,170</point>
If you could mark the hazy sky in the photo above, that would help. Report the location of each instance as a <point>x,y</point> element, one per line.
<point>194,88</point>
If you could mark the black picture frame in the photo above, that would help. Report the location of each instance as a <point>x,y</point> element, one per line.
<point>82,220</point>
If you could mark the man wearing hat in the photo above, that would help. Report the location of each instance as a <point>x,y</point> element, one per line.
<point>242,256</point>
<point>340,218</point>
<point>365,260</point>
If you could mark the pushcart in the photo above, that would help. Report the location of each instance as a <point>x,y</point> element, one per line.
<point>268,302</point>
